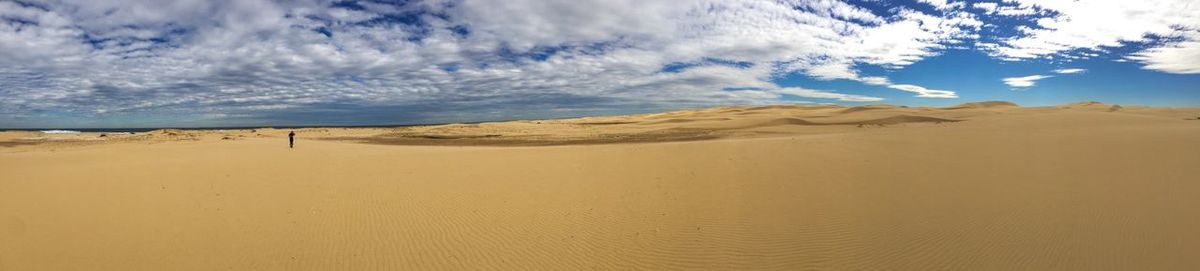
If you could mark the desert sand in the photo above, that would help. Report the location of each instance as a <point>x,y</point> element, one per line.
<point>981,186</point>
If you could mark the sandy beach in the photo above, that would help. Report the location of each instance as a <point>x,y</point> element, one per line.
<point>981,186</point>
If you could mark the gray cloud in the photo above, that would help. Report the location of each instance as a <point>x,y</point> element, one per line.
<point>413,61</point>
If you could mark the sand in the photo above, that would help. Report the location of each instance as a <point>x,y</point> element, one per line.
<point>983,186</point>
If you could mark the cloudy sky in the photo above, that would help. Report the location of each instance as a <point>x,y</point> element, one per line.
<point>154,63</point>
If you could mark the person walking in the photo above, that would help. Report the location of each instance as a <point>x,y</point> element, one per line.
<point>292,139</point>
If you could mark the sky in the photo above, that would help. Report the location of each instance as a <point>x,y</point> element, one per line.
<point>210,63</point>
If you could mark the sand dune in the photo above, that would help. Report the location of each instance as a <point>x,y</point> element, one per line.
<point>980,186</point>
<point>988,104</point>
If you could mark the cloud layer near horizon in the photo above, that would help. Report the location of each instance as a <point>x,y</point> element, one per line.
<point>255,60</point>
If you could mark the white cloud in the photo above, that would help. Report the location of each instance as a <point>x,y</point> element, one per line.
<point>987,7</point>
<point>1181,57</point>
<point>1015,11</point>
<point>826,95</point>
<point>925,93</point>
<point>944,4</point>
<point>259,57</point>
<point>1025,81</point>
<point>1068,26</point>
<point>1070,71</point>
<point>876,80</point>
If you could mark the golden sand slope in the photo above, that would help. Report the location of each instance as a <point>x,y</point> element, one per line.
<point>975,187</point>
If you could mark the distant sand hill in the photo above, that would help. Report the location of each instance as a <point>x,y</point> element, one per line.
<point>688,125</point>
<point>978,186</point>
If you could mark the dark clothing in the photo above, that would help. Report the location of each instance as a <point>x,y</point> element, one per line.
<point>291,139</point>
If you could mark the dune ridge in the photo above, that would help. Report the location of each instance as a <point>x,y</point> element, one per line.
<point>987,104</point>
<point>687,125</point>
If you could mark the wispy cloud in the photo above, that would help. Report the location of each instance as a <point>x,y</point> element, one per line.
<point>1180,57</point>
<point>259,58</point>
<point>827,95</point>
<point>944,4</point>
<point>924,92</point>
<point>1024,81</point>
<point>987,7</point>
<point>1067,29</point>
<point>1070,71</point>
